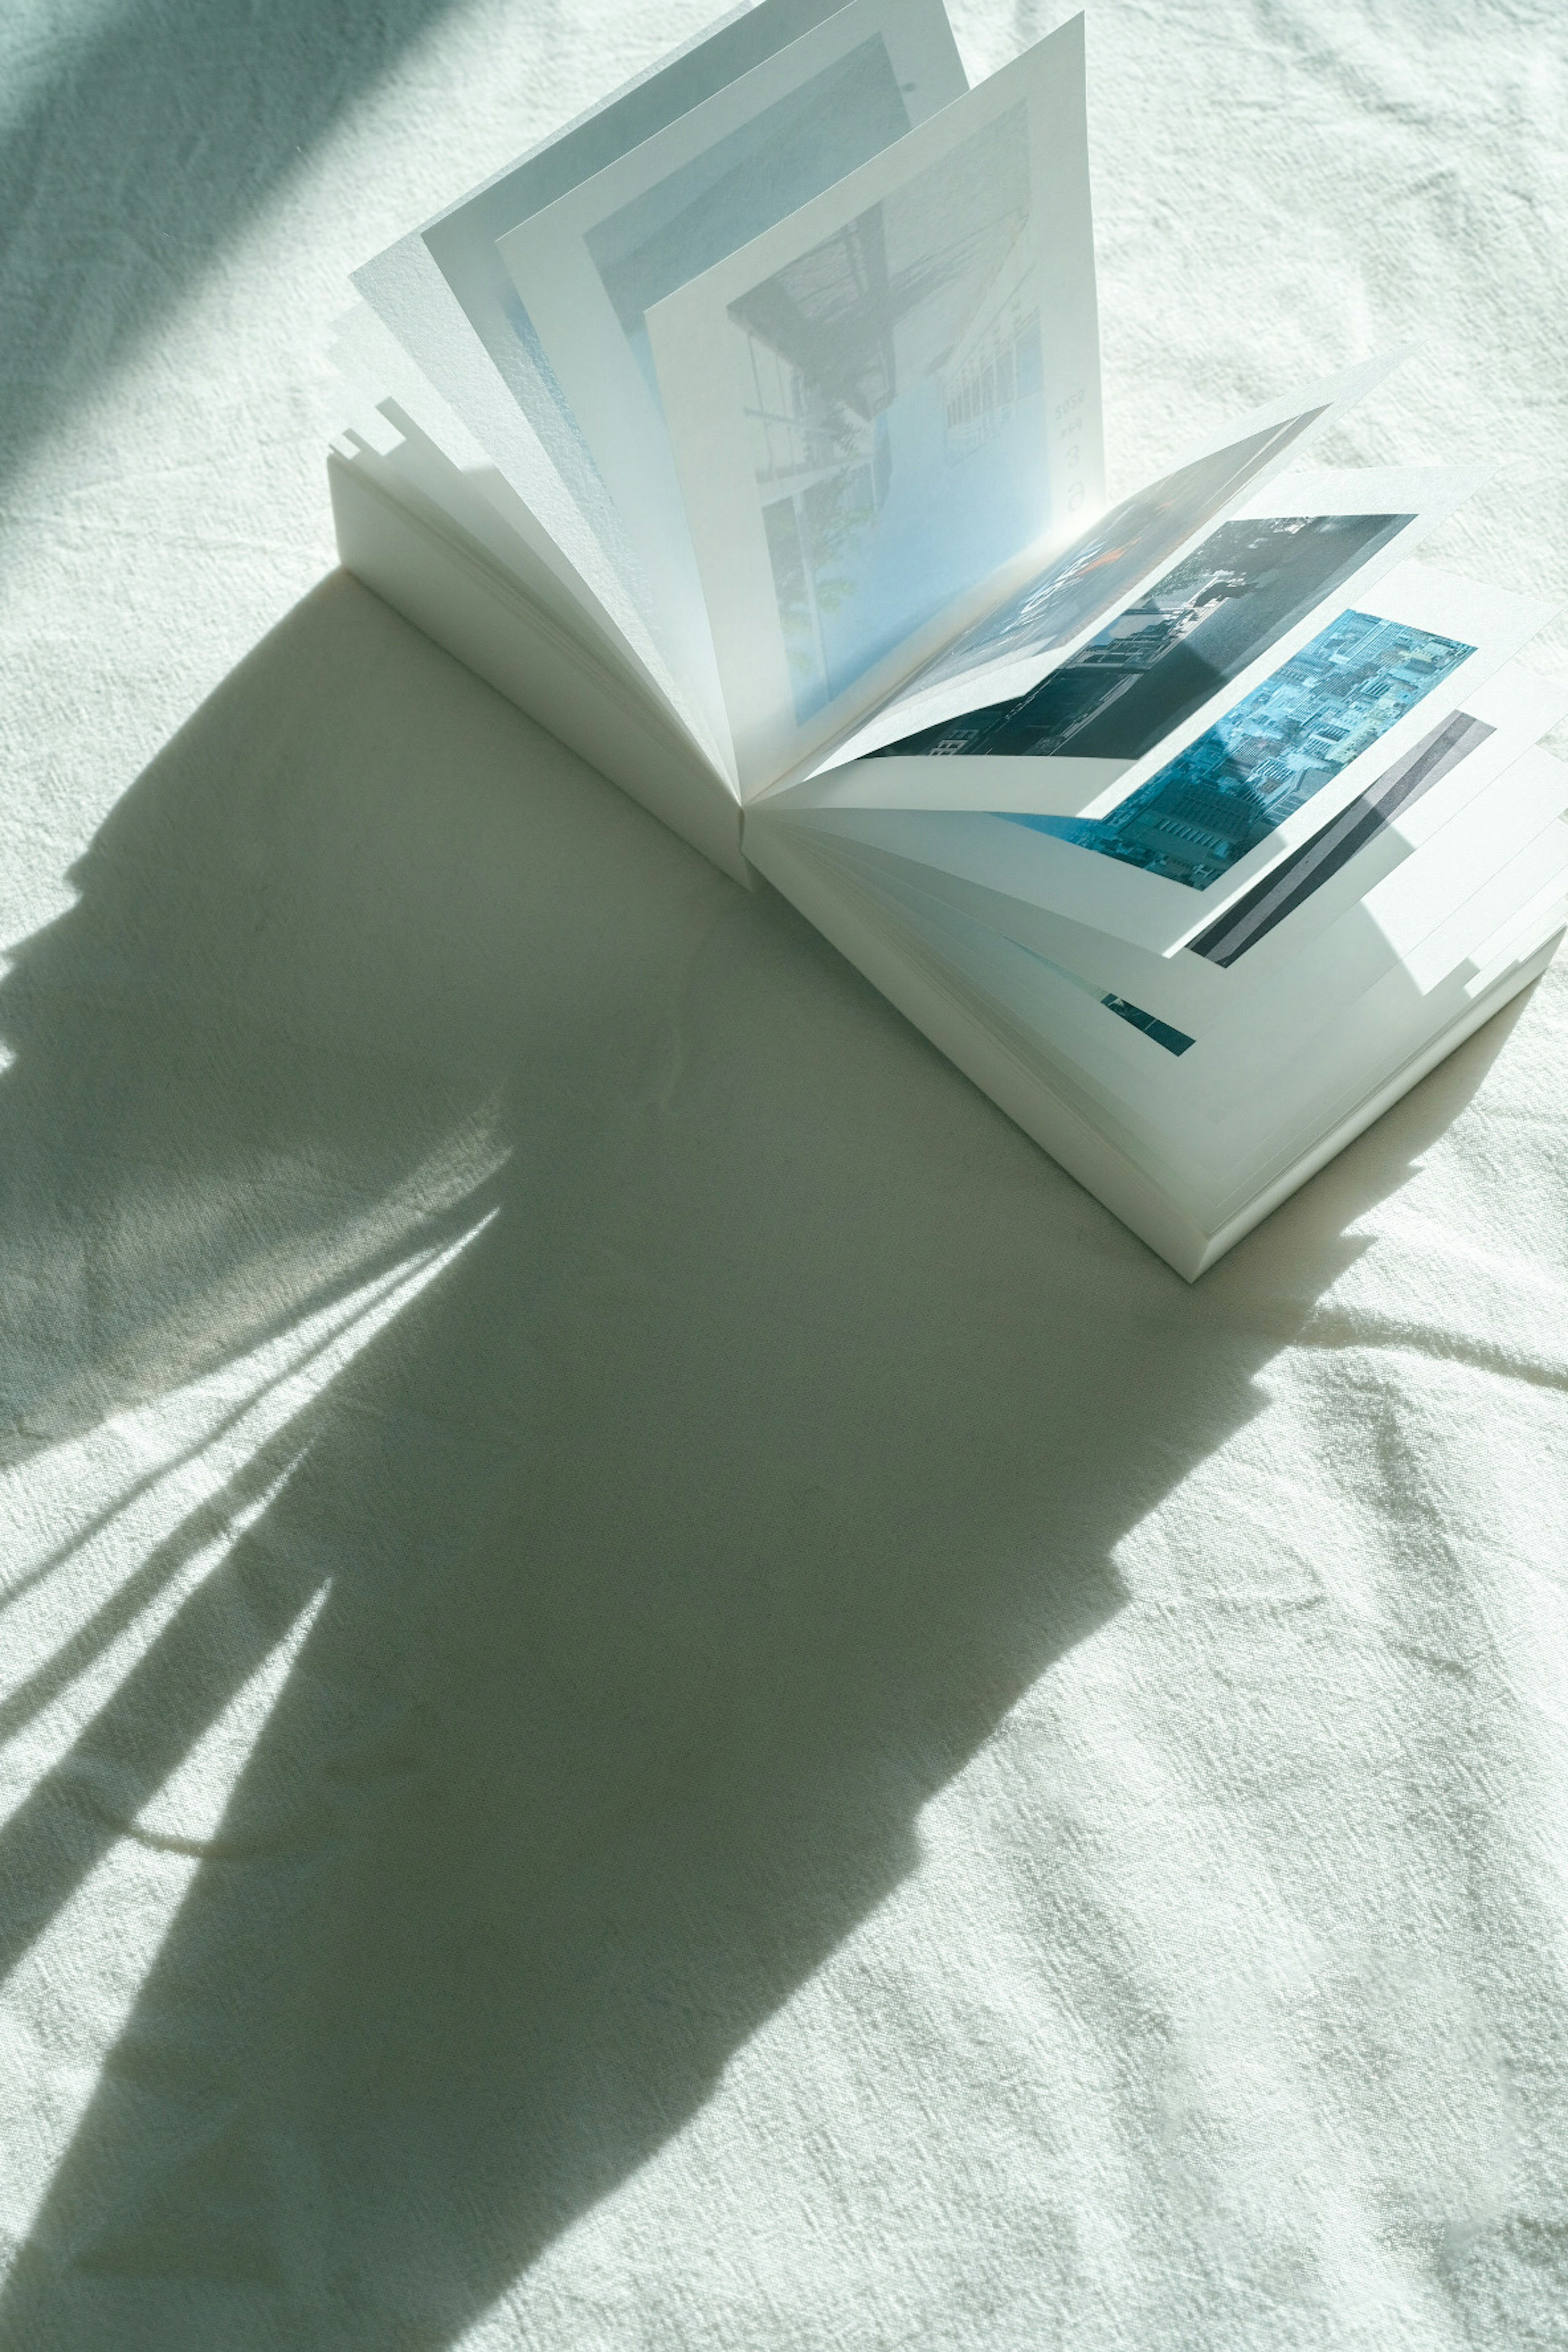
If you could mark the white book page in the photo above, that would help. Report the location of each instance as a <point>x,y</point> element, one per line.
<point>1038,619</point>
<point>1218,1048</point>
<point>1446,900</point>
<point>1471,933</point>
<point>1199,822</point>
<point>1128,1083</point>
<point>878,405</point>
<point>430,446</point>
<point>1368,1035</point>
<point>588,267</point>
<point>444,294</point>
<point>1090,1059</point>
<point>1354,1057</point>
<point>1394,849</point>
<point>482,331</point>
<point>425,319</point>
<point>1254,589</point>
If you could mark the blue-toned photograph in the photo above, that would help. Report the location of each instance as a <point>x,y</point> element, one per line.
<point>1161,660</point>
<point>1293,881</point>
<point>1208,807</point>
<point>1088,577</point>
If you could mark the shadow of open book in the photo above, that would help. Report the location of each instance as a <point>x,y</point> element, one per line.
<point>766,1428</point>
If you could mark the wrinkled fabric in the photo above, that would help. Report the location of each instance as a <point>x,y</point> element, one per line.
<point>657,1690</point>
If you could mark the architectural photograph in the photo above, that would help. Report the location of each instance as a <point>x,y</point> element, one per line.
<point>1174,647</point>
<point>1213,804</point>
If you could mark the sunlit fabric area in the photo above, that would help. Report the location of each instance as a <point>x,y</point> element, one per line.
<point>656,1689</point>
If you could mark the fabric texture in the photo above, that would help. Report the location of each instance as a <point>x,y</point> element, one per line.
<point>657,1690</point>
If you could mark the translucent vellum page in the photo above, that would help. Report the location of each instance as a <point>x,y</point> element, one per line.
<point>1224,801</point>
<point>1249,593</point>
<point>1423,798</point>
<point>1038,619</point>
<point>878,405</point>
<point>589,267</point>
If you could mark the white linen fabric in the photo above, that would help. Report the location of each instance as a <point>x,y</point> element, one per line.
<point>659,1691</point>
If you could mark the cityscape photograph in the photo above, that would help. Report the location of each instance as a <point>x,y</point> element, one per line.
<point>1160,660</point>
<point>1207,808</point>
<point>1088,577</point>
<point>1294,880</point>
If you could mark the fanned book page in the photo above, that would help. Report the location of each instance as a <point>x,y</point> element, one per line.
<point>880,405</point>
<point>748,433</point>
<point>590,268</point>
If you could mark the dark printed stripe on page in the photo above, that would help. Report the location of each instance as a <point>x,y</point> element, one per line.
<point>1290,883</point>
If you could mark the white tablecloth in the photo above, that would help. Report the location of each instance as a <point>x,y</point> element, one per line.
<point>660,1692</point>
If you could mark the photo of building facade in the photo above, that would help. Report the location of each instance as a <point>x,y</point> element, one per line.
<point>1160,660</point>
<point>1104,562</point>
<point>1212,804</point>
<point>1294,880</point>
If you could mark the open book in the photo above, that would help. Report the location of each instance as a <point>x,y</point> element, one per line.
<point>747,434</point>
